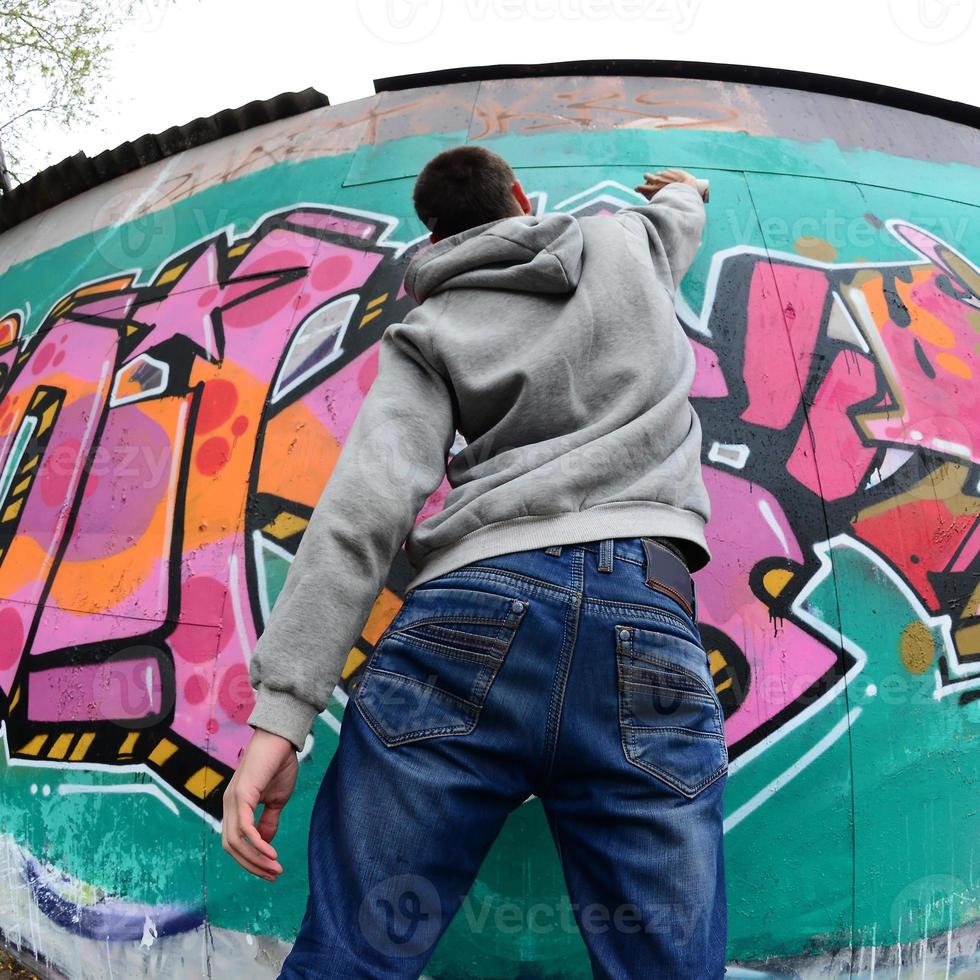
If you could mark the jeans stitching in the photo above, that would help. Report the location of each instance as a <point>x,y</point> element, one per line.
<point>595,551</point>
<point>659,662</point>
<point>689,791</point>
<point>675,728</point>
<point>627,731</point>
<point>606,560</point>
<point>489,644</point>
<point>451,653</point>
<point>490,669</point>
<point>708,696</point>
<point>612,606</point>
<point>565,664</point>
<point>436,691</point>
<point>511,622</point>
<point>699,695</point>
<point>492,573</point>
<point>414,736</point>
<point>657,584</point>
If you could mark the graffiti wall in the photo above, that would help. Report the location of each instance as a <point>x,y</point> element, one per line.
<point>182,354</point>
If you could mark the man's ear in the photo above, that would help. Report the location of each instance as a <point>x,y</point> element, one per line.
<point>521,197</point>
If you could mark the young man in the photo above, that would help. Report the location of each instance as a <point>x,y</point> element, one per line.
<point>548,644</point>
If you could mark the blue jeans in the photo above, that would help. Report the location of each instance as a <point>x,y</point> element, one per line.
<point>574,674</point>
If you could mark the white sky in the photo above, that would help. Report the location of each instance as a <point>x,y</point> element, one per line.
<point>180,59</point>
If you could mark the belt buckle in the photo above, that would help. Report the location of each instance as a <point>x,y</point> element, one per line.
<point>668,573</point>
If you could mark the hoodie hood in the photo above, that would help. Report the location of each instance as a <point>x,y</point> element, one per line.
<point>529,253</point>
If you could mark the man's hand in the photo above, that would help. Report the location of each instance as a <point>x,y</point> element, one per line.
<point>659,180</point>
<point>266,774</point>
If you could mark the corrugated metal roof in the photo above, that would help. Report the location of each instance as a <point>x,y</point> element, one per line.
<point>850,88</point>
<point>79,173</point>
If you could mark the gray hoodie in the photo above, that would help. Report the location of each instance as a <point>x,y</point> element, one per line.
<point>550,343</point>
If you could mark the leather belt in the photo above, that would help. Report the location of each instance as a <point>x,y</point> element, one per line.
<point>667,571</point>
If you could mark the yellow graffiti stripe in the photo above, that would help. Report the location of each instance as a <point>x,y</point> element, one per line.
<point>175,272</point>
<point>285,525</point>
<point>377,299</point>
<point>355,658</point>
<point>204,782</point>
<point>716,661</point>
<point>60,747</point>
<point>162,751</point>
<point>128,744</point>
<point>34,745</point>
<point>84,741</point>
<point>47,419</point>
<point>22,479</point>
<point>112,286</point>
<point>368,317</point>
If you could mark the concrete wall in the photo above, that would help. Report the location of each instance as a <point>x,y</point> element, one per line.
<point>182,353</point>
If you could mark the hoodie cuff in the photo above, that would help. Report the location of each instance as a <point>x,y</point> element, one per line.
<point>283,714</point>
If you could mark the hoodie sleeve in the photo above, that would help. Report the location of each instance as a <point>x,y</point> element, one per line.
<point>673,221</point>
<point>393,459</point>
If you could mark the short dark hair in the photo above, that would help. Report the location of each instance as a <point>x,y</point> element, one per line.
<point>463,187</point>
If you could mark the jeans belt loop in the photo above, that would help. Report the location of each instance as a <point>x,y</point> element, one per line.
<point>606,555</point>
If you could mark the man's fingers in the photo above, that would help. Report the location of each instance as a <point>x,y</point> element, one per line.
<point>266,852</point>
<point>246,856</point>
<point>242,841</point>
<point>238,846</point>
<point>269,822</point>
<point>233,844</point>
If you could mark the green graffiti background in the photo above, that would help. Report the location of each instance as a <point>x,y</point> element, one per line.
<point>873,841</point>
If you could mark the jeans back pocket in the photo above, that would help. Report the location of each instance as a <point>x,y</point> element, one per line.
<point>431,670</point>
<point>671,719</point>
